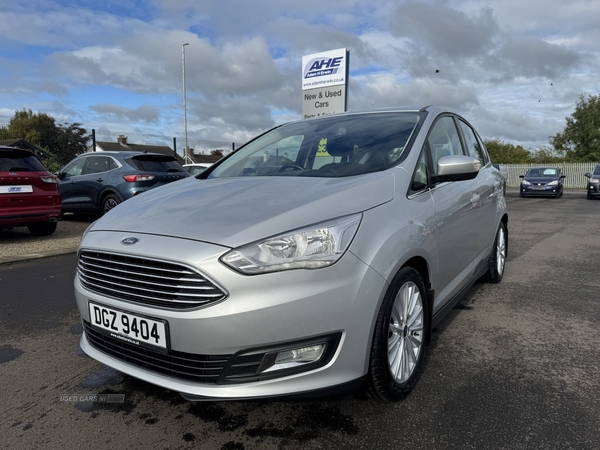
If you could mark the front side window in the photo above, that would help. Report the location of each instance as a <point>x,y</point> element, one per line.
<point>74,169</point>
<point>443,140</point>
<point>333,146</point>
<point>474,148</point>
<point>421,176</point>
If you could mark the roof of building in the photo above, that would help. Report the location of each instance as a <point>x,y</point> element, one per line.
<point>24,145</point>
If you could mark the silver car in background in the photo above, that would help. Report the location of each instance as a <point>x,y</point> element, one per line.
<point>317,257</point>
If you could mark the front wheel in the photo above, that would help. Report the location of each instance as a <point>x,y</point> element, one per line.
<point>497,259</point>
<point>400,337</point>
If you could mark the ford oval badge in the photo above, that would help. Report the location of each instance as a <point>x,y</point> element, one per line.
<point>129,240</point>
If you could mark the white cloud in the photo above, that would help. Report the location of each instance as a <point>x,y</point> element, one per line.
<point>117,64</point>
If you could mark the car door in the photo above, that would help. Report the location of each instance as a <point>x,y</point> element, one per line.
<point>458,216</point>
<point>68,185</point>
<point>489,186</point>
<point>93,180</point>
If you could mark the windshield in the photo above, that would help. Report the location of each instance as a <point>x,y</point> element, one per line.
<point>597,170</point>
<point>19,161</point>
<point>332,146</point>
<point>543,172</point>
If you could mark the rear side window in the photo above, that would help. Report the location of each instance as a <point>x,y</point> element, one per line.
<point>96,164</point>
<point>19,161</point>
<point>151,163</point>
<point>473,147</point>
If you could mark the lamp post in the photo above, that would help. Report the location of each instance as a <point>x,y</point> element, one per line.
<point>184,99</point>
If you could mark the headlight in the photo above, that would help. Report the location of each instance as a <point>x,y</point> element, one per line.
<point>525,183</point>
<point>553,183</point>
<point>313,247</point>
<point>594,180</point>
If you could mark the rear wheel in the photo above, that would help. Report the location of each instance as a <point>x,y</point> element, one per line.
<point>110,201</point>
<point>400,337</point>
<point>42,229</point>
<point>498,257</point>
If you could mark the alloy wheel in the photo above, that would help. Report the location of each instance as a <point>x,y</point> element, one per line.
<point>500,251</point>
<point>405,337</point>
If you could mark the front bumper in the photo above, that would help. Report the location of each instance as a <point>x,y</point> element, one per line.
<point>593,190</point>
<point>550,191</point>
<point>261,312</point>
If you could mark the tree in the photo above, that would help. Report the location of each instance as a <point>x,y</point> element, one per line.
<point>65,141</point>
<point>546,155</point>
<point>580,140</point>
<point>505,153</point>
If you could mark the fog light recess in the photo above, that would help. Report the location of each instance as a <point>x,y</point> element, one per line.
<point>291,359</point>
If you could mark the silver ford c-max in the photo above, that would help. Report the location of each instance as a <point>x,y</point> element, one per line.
<point>318,256</point>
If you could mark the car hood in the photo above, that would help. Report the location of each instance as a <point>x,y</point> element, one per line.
<point>543,180</point>
<point>235,211</point>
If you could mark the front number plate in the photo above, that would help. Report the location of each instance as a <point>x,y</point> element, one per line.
<point>129,327</point>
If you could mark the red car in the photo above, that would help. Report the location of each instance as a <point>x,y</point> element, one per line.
<point>28,193</point>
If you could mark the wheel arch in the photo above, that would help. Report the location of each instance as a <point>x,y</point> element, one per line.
<point>105,193</point>
<point>420,264</point>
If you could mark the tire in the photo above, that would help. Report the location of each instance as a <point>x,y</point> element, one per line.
<point>42,228</point>
<point>497,259</point>
<point>394,373</point>
<point>109,202</point>
<point>589,196</point>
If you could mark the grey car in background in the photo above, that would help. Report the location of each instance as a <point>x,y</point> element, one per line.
<point>97,182</point>
<point>317,257</point>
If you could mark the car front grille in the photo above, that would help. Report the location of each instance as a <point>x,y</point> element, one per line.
<point>146,281</point>
<point>186,366</point>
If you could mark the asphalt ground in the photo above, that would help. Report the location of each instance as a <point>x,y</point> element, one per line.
<point>514,366</point>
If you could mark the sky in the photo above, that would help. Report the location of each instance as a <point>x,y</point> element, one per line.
<point>514,68</point>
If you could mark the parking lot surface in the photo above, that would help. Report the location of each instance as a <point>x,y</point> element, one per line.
<point>19,244</point>
<point>513,366</point>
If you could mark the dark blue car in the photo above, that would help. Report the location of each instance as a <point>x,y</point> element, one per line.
<point>97,182</point>
<point>542,181</point>
<point>593,184</point>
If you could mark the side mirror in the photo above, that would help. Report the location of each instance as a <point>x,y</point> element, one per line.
<point>563,176</point>
<point>521,176</point>
<point>456,168</point>
<point>587,175</point>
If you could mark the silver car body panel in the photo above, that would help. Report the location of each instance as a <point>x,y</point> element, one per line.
<point>236,211</point>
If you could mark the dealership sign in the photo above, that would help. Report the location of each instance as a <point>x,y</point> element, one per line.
<point>324,83</point>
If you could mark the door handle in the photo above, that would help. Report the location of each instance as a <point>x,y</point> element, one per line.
<point>475,199</point>
<point>100,180</point>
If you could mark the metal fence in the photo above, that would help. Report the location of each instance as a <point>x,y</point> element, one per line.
<point>574,173</point>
